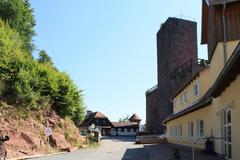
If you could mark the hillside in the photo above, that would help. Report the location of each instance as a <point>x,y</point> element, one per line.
<point>26,131</point>
<point>33,91</point>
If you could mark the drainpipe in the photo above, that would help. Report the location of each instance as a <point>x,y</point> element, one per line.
<point>224,34</point>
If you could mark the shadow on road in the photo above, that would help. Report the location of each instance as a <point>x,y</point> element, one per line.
<point>135,154</point>
<point>121,138</point>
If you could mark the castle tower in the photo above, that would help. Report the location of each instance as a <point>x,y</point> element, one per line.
<point>176,48</point>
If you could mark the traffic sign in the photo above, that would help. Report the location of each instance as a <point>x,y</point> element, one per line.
<point>48,131</point>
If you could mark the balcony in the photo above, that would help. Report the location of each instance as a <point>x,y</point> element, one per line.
<point>189,67</point>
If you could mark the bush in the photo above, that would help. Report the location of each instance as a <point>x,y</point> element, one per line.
<point>29,83</point>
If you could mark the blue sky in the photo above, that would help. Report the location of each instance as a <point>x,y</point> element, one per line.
<point>109,46</point>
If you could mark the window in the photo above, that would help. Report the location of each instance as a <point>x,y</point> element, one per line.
<point>227,134</point>
<point>171,131</point>
<point>179,130</point>
<point>181,99</point>
<point>175,103</point>
<point>190,129</point>
<point>122,129</point>
<point>185,96</point>
<point>128,129</point>
<point>196,89</point>
<point>200,128</point>
<point>175,131</point>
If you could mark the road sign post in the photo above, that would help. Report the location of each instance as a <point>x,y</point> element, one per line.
<point>48,133</point>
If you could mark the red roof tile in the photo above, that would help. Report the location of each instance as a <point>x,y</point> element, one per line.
<point>98,115</point>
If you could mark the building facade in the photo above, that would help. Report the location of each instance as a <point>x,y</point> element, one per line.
<point>130,128</point>
<point>107,128</point>
<point>176,63</point>
<point>100,121</point>
<point>124,128</point>
<point>207,107</point>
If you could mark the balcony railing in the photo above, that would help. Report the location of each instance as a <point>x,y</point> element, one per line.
<point>190,67</point>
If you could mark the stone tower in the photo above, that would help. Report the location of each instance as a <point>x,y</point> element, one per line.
<point>176,50</point>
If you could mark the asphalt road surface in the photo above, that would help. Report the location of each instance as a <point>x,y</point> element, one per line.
<point>111,148</point>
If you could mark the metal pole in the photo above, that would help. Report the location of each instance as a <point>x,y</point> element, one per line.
<point>224,34</point>
<point>196,140</point>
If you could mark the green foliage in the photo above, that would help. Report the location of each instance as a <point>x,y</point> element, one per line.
<point>44,58</point>
<point>124,119</point>
<point>30,83</point>
<point>19,15</point>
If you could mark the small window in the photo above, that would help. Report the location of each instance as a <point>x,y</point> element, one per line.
<point>190,129</point>
<point>171,131</point>
<point>196,89</point>
<point>122,129</point>
<point>175,103</point>
<point>181,99</point>
<point>200,128</point>
<point>179,130</point>
<point>128,129</point>
<point>175,131</point>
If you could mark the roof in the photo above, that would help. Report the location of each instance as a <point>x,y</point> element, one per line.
<point>97,115</point>
<point>134,117</point>
<point>199,105</point>
<point>227,75</point>
<point>219,2</point>
<point>92,118</point>
<point>125,124</point>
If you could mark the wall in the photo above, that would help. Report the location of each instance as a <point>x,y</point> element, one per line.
<point>203,114</point>
<point>229,98</point>
<point>217,61</point>
<point>212,116</point>
<point>203,80</point>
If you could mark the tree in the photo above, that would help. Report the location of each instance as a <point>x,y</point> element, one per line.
<point>45,58</point>
<point>124,119</point>
<point>19,15</point>
<point>24,81</point>
<point>27,83</point>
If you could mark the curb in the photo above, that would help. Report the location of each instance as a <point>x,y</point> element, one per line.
<point>43,155</point>
<point>37,156</point>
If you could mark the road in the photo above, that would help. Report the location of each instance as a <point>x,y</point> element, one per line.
<point>113,148</point>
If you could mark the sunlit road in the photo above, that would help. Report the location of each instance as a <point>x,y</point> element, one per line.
<point>114,148</point>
